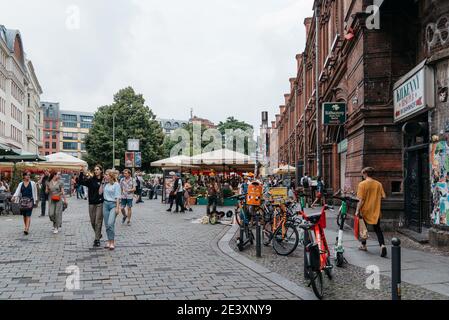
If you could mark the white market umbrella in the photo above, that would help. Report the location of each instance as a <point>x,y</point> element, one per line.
<point>173,162</point>
<point>222,157</point>
<point>284,170</point>
<point>62,160</point>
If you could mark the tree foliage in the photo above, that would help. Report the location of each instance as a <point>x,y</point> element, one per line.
<point>233,124</point>
<point>133,120</point>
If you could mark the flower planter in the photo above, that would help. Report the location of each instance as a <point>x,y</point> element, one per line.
<point>230,202</point>
<point>192,201</point>
<point>202,201</point>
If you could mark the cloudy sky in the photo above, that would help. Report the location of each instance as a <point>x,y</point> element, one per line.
<point>220,57</point>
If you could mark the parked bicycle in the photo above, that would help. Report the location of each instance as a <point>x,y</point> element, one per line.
<point>317,253</point>
<point>243,217</point>
<point>280,226</point>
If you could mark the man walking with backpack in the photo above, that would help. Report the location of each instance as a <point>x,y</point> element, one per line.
<point>305,181</point>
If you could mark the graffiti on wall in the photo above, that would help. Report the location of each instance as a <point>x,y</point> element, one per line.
<point>439,161</point>
<point>437,33</point>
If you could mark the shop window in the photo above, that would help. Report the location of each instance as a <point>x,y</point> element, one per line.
<point>396,186</point>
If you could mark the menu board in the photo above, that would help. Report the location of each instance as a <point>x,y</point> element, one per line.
<point>67,180</point>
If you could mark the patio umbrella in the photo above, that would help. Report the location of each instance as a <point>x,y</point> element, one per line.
<point>8,151</point>
<point>173,162</point>
<point>285,170</point>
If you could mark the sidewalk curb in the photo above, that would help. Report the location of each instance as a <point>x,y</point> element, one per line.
<point>223,245</point>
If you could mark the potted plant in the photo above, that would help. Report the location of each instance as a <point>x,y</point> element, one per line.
<point>228,201</point>
<point>202,196</point>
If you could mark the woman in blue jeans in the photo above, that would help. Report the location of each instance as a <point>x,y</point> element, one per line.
<point>111,206</point>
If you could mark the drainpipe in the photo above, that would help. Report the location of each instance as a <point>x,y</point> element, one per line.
<point>305,111</point>
<point>317,84</point>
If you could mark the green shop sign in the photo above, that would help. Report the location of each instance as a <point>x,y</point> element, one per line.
<point>334,113</point>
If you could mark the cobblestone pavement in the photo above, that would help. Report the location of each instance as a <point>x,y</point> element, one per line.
<point>348,283</point>
<point>161,256</point>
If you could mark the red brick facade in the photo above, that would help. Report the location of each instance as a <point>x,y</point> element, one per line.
<point>358,66</point>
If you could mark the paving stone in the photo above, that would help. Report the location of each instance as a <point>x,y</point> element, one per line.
<point>182,262</point>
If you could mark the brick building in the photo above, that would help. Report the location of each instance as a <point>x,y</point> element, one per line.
<point>51,137</point>
<point>365,66</point>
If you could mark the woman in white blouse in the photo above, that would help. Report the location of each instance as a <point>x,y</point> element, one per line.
<point>111,206</point>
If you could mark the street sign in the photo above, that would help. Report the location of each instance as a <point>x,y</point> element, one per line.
<point>117,163</point>
<point>334,113</point>
<point>138,159</point>
<point>129,159</point>
<point>133,145</point>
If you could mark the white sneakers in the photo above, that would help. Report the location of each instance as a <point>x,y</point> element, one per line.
<point>55,231</point>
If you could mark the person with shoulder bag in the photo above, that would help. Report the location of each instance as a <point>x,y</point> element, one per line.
<point>57,200</point>
<point>93,182</point>
<point>27,197</point>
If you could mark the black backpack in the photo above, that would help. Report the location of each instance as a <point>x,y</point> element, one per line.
<point>305,182</point>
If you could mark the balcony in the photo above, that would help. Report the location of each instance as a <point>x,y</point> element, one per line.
<point>30,134</point>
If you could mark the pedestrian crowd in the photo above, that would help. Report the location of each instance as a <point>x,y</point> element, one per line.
<point>111,193</point>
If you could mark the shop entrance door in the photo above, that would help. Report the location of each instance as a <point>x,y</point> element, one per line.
<point>417,188</point>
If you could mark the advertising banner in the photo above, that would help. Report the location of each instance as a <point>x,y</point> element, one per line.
<point>129,159</point>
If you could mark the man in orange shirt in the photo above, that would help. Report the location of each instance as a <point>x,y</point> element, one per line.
<point>370,193</point>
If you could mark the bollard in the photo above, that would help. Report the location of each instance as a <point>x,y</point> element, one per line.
<point>396,269</point>
<point>258,238</point>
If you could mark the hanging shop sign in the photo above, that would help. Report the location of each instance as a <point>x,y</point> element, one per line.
<point>414,93</point>
<point>334,113</point>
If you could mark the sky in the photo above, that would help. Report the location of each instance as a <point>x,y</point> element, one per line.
<point>220,57</point>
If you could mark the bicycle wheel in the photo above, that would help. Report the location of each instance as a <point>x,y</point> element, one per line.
<point>267,234</point>
<point>339,260</point>
<point>316,279</point>
<point>241,239</point>
<point>329,269</point>
<point>285,243</point>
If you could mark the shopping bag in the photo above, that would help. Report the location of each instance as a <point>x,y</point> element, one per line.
<point>356,227</point>
<point>363,230</point>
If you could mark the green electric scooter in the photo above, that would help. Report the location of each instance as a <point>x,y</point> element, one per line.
<point>341,218</point>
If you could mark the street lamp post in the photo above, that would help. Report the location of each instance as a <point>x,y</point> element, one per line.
<point>113,140</point>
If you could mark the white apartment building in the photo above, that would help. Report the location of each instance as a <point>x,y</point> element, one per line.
<point>20,116</point>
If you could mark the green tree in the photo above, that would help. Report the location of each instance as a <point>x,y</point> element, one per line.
<point>233,124</point>
<point>171,141</point>
<point>133,120</point>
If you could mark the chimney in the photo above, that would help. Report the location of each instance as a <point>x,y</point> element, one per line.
<point>286,97</point>
<point>292,84</point>
<point>282,109</point>
<point>278,119</point>
<point>308,24</point>
<point>273,124</point>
